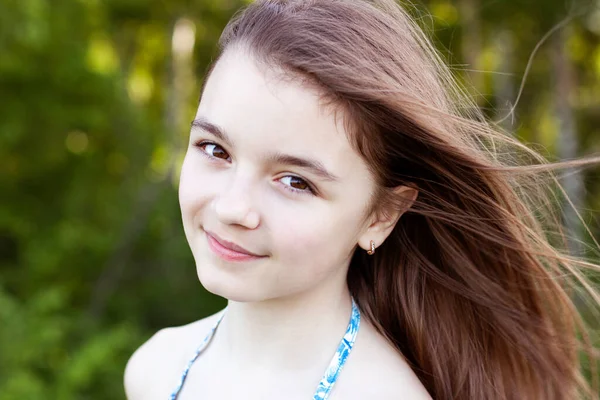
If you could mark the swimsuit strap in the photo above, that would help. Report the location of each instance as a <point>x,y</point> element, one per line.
<point>331,374</point>
<point>199,350</point>
<point>339,358</point>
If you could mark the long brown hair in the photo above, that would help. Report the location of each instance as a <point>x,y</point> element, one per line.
<point>469,287</point>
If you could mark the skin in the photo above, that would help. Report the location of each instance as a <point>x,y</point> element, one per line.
<point>304,226</point>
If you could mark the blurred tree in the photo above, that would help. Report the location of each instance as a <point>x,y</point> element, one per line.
<point>92,127</point>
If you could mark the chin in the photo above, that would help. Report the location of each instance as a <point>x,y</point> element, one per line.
<point>229,286</point>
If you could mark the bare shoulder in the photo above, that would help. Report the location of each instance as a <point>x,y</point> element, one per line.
<point>375,369</point>
<point>153,369</point>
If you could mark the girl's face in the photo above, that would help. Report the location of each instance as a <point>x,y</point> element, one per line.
<point>271,171</point>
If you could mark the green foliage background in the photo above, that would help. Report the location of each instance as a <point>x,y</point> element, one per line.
<point>95,105</point>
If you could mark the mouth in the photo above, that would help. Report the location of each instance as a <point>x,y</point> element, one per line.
<point>229,250</point>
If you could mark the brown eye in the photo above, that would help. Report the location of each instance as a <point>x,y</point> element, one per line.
<point>296,184</point>
<point>214,151</point>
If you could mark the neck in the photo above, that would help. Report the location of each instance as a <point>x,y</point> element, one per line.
<point>295,333</point>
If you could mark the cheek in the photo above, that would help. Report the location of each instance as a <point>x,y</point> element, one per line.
<point>195,185</point>
<point>304,257</point>
<point>299,239</point>
<point>187,188</point>
<point>319,240</point>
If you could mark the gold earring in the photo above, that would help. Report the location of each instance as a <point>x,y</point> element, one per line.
<point>370,252</point>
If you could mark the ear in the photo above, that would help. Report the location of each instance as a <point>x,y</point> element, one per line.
<point>384,219</point>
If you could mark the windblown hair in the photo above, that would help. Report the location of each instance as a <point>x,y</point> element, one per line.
<point>469,287</point>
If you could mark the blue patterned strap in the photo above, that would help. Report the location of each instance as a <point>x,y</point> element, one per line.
<point>340,356</point>
<point>199,350</point>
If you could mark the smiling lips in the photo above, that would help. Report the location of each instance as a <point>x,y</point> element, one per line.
<point>229,251</point>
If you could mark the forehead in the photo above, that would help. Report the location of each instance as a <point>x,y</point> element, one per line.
<point>239,87</point>
<point>260,110</point>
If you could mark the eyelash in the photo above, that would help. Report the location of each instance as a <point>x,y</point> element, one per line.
<point>310,190</point>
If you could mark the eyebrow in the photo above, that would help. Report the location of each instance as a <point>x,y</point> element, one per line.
<point>213,129</point>
<point>314,166</point>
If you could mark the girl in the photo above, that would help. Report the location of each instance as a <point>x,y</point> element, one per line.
<point>373,240</point>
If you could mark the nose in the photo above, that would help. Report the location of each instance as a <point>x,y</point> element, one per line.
<point>233,205</point>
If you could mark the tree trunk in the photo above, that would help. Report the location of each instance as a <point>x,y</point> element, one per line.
<point>471,44</point>
<point>504,80</point>
<point>567,140</point>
